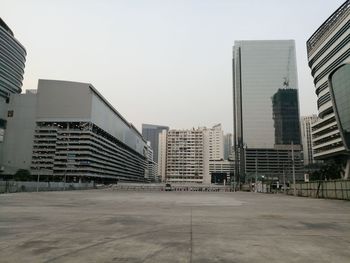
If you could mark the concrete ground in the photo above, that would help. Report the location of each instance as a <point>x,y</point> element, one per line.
<point>110,226</point>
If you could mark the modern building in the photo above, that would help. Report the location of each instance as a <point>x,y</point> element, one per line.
<point>306,124</point>
<point>68,129</point>
<point>151,133</point>
<point>188,156</point>
<point>328,51</point>
<point>228,146</point>
<point>12,62</point>
<point>266,106</point>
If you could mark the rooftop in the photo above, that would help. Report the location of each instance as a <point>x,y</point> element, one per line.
<point>6,27</point>
<point>327,27</point>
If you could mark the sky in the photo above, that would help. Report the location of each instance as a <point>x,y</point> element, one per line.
<point>160,61</point>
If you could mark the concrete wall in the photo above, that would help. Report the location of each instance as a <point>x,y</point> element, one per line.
<point>107,119</point>
<point>63,100</point>
<point>3,114</point>
<point>18,140</point>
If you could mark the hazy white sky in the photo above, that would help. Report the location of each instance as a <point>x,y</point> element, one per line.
<point>160,62</point>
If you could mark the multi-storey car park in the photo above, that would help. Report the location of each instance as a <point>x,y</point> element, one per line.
<point>68,129</point>
<point>328,52</point>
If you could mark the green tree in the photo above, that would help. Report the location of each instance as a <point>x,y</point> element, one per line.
<point>329,170</point>
<point>23,175</point>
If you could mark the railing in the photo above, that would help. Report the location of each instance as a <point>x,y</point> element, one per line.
<point>18,186</point>
<point>174,188</point>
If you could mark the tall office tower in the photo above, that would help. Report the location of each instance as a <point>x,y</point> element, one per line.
<point>227,146</point>
<point>266,108</point>
<point>12,59</point>
<point>68,129</point>
<point>306,124</point>
<point>188,156</point>
<point>151,133</point>
<point>216,143</point>
<point>328,51</point>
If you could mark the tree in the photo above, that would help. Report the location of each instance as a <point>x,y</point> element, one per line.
<point>23,175</point>
<point>329,170</point>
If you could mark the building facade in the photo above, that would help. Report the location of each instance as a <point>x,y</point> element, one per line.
<point>228,146</point>
<point>187,158</point>
<point>162,154</point>
<point>70,130</point>
<point>12,62</point>
<point>275,163</point>
<point>306,131</point>
<point>151,174</point>
<point>328,51</point>
<point>221,171</point>
<point>151,133</point>
<point>266,105</point>
<point>216,143</point>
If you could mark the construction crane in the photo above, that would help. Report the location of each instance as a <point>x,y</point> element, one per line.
<point>286,78</point>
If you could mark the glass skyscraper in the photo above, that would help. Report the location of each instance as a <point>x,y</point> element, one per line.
<point>266,106</point>
<point>151,133</point>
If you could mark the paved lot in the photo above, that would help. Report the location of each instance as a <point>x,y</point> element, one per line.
<point>109,226</point>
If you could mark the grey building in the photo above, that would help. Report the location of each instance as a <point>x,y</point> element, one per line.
<point>306,124</point>
<point>152,167</point>
<point>266,106</point>
<point>151,133</point>
<point>328,51</point>
<point>68,129</point>
<point>12,60</point>
<point>228,146</point>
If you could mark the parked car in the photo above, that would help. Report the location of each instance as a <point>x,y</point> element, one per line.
<point>167,187</point>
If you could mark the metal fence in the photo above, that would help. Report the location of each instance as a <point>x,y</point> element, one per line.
<point>337,189</point>
<point>18,186</point>
<point>174,187</point>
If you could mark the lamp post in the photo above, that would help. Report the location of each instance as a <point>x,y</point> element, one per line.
<point>293,170</point>
<point>37,183</point>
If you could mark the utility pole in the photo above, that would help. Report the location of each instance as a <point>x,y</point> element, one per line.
<point>256,175</point>
<point>37,183</point>
<point>284,181</point>
<point>293,170</point>
<point>65,177</point>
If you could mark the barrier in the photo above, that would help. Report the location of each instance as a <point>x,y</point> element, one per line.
<point>174,188</point>
<point>18,186</point>
<point>335,189</point>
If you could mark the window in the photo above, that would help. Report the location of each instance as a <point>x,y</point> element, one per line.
<point>340,88</point>
<point>10,113</point>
